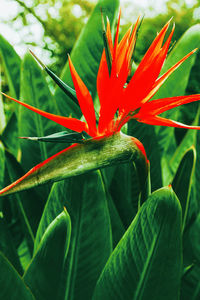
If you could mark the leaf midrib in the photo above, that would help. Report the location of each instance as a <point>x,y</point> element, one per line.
<point>74,257</point>
<point>147,266</point>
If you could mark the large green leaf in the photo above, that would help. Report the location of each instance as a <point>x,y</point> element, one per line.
<point>170,167</point>
<point>191,255</point>
<point>30,204</point>
<point>10,135</point>
<point>45,270</point>
<point>2,164</point>
<point>182,181</point>
<point>34,91</point>
<point>7,246</point>
<point>11,284</point>
<point>91,239</point>
<point>146,264</point>
<point>11,62</point>
<point>86,54</point>
<point>125,192</point>
<point>177,82</point>
<point>146,135</point>
<point>2,116</point>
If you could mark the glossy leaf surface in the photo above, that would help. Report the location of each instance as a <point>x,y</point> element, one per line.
<point>146,264</point>
<point>10,278</point>
<point>45,270</point>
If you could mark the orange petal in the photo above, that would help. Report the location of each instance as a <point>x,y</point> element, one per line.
<point>84,99</point>
<point>142,82</point>
<point>159,106</point>
<point>114,63</point>
<point>70,123</point>
<point>109,37</point>
<point>132,41</point>
<point>154,48</point>
<point>122,49</point>
<point>117,35</point>
<point>157,120</point>
<point>159,82</point>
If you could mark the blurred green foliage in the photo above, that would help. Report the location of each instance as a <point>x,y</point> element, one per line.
<point>62,23</point>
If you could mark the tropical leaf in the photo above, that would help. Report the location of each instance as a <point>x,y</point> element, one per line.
<point>176,84</point>
<point>11,284</point>
<point>182,181</point>
<point>170,167</point>
<point>125,192</point>
<point>11,62</point>
<point>2,115</point>
<point>91,238</point>
<point>7,246</point>
<point>2,164</point>
<point>45,270</point>
<point>30,204</point>
<point>191,255</point>
<point>146,134</point>
<point>34,91</point>
<point>146,264</point>
<point>10,135</point>
<point>84,58</point>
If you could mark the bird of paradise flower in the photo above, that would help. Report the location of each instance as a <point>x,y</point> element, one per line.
<point>117,97</point>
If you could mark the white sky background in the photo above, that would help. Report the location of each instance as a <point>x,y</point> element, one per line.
<point>34,32</point>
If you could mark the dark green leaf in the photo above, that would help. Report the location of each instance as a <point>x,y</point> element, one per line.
<point>30,204</point>
<point>125,192</point>
<point>34,91</point>
<point>11,284</point>
<point>146,264</point>
<point>191,255</point>
<point>182,181</point>
<point>2,115</point>
<point>7,246</point>
<point>176,84</point>
<point>91,240</point>
<point>146,135</point>
<point>11,63</point>
<point>2,164</point>
<point>45,270</point>
<point>10,135</point>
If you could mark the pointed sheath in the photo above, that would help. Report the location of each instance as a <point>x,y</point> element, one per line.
<point>81,158</point>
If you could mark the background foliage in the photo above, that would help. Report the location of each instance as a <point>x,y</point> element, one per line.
<point>89,237</point>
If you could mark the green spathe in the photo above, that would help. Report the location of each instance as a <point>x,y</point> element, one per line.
<point>81,158</point>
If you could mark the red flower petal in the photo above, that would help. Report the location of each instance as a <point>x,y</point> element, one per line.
<point>161,80</point>
<point>123,66</point>
<point>70,123</point>
<point>144,78</point>
<point>157,120</point>
<point>109,37</point>
<point>159,106</point>
<point>116,41</point>
<point>154,48</point>
<point>84,99</point>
